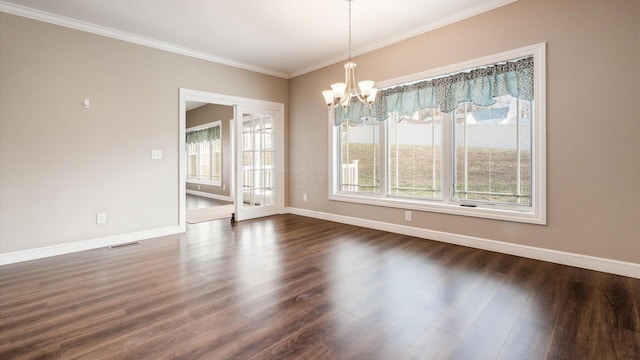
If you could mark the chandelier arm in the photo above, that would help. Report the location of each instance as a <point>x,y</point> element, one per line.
<point>354,85</point>
<point>356,91</point>
<point>347,89</point>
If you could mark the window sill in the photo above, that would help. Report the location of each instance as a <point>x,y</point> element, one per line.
<point>204,182</point>
<point>523,215</point>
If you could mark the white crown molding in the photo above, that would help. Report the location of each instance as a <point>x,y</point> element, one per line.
<point>484,7</point>
<point>68,248</point>
<point>23,11</point>
<point>43,16</point>
<point>559,257</point>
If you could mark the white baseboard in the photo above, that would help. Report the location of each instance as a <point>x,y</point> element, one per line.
<point>559,257</point>
<point>554,256</point>
<point>39,253</point>
<point>210,195</point>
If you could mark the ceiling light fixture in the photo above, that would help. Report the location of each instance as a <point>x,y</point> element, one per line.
<point>341,93</point>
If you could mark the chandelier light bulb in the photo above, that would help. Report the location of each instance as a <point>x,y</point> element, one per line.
<point>365,87</point>
<point>328,96</point>
<point>339,90</point>
<point>372,96</point>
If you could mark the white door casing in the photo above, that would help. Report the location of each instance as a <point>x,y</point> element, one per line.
<point>241,105</point>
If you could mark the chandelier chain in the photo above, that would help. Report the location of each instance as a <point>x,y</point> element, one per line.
<point>349,1</point>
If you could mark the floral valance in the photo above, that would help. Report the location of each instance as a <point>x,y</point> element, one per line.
<point>480,86</point>
<point>204,135</point>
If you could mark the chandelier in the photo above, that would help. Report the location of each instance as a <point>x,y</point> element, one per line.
<point>341,93</point>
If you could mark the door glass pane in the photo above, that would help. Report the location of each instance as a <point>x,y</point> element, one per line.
<point>268,159</point>
<point>268,124</point>
<point>268,197</point>
<point>258,157</point>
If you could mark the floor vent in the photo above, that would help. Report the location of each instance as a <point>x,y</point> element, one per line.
<point>123,245</point>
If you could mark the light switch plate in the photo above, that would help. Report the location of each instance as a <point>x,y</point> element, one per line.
<point>101,218</point>
<point>156,154</point>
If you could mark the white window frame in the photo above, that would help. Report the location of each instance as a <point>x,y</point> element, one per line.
<point>212,182</point>
<point>534,214</point>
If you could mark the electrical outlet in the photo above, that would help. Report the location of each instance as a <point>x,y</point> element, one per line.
<point>407,216</point>
<point>304,197</point>
<point>101,218</point>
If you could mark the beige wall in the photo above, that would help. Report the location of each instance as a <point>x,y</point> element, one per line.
<point>206,114</point>
<point>60,164</point>
<point>593,129</point>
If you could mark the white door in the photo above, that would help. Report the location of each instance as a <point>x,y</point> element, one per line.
<point>259,162</point>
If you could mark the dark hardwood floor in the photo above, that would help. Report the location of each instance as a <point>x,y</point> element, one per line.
<point>290,287</point>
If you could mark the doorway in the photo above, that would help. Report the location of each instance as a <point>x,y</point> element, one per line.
<point>254,151</point>
<point>209,156</point>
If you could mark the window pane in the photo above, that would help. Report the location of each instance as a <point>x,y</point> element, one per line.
<point>359,157</point>
<point>217,166</point>
<point>204,161</point>
<point>216,158</point>
<point>192,161</point>
<point>415,154</point>
<point>493,152</point>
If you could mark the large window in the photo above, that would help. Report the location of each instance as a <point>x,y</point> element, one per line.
<point>204,154</point>
<point>466,140</point>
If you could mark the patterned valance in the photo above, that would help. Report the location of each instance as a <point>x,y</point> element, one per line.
<point>480,86</point>
<point>204,135</point>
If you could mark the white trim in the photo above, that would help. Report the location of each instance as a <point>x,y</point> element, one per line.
<point>39,15</point>
<point>578,260</point>
<point>559,257</point>
<point>480,211</point>
<point>205,182</point>
<point>535,214</point>
<point>229,100</point>
<point>483,7</point>
<point>220,99</point>
<point>210,195</point>
<point>68,248</point>
<point>183,96</point>
<point>128,37</point>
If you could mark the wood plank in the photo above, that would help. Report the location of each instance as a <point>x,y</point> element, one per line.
<point>294,287</point>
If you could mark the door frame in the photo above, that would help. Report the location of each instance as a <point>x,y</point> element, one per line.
<point>235,101</point>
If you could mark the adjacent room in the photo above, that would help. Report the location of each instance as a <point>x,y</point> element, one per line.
<point>208,162</point>
<point>338,179</point>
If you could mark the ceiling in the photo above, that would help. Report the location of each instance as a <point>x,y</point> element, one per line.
<point>284,38</point>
